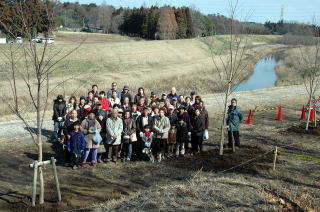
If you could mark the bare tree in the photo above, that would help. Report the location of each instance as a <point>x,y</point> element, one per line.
<point>307,61</point>
<point>230,63</point>
<point>29,69</point>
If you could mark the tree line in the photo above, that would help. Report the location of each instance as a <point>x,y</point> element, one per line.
<point>165,22</point>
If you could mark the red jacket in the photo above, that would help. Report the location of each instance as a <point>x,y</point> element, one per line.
<point>105,104</point>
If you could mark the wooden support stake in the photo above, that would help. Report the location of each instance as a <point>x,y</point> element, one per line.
<point>232,139</point>
<point>275,158</point>
<point>53,162</point>
<point>34,186</point>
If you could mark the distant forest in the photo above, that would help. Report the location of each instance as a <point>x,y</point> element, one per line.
<point>165,22</point>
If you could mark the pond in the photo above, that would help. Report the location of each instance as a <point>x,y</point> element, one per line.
<point>263,76</point>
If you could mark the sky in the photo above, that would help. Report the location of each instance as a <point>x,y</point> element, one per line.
<point>305,11</point>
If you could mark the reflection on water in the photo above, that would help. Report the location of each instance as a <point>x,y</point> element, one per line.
<point>264,75</point>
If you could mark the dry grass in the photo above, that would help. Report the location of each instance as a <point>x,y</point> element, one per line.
<point>201,193</point>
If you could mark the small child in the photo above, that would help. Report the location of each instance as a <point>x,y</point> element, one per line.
<point>147,138</point>
<point>182,137</point>
<point>172,139</point>
<point>76,145</point>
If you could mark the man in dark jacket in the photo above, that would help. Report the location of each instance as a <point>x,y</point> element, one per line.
<point>125,93</point>
<point>59,113</point>
<point>173,94</point>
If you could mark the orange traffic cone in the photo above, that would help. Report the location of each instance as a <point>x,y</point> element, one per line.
<point>303,113</point>
<point>250,118</point>
<point>312,114</point>
<point>280,113</point>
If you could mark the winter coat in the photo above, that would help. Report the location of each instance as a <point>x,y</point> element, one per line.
<point>89,136</point>
<point>68,125</point>
<point>137,98</point>
<point>81,112</point>
<point>103,134</point>
<point>109,93</point>
<point>234,118</point>
<point>204,114</point>
<point>171,96</point>
<point>190,110</point>
<point>124,94</point>
<point>105,104</point>
<point>76,143</point>
<point>129,128</point>
<point>114,127</point>
<point>173,119</point>
<point>186,118</point>
<point>161,127</point>
<point>172,135</point>
<point>198,124</point>
<point>182,133</point>
<point>59,110</point>
<point>139,124</point>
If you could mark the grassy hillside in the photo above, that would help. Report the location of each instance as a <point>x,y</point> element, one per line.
<point>155,65</point>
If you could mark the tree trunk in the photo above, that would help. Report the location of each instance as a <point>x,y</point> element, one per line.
<point>224,120</point>
<point>309,113</point>
<point>39,141</point>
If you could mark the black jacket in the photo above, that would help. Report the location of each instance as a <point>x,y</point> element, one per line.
<point>139,123</point>
<point>182,133</point>
<point>68,126</point>
<point>59,110</point>
<point>123,95</point>
<point>198,124</point>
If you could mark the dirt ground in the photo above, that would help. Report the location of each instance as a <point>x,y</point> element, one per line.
<point>294,186</point>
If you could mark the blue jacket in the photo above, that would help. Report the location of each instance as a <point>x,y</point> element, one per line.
<point>234,118</point>
<point>76,143</point>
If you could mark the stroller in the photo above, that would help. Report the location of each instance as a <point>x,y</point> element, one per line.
<point>147,139</point>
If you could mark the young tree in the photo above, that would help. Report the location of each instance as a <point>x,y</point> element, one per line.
<point>230,62</point>
<point>29,67</point>
<point>307,60</point>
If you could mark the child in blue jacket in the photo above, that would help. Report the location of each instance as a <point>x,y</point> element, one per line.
<point>76,145</point>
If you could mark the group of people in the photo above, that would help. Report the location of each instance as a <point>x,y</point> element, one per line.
<point>115,124</point>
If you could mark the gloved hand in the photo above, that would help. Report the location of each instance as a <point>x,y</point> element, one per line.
<point>189,134</point>
<point>60,118</point>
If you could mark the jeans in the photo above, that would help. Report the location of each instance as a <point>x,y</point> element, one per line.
<point>57,129</point>
<point>127,150</point>
<point>93,155</point>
